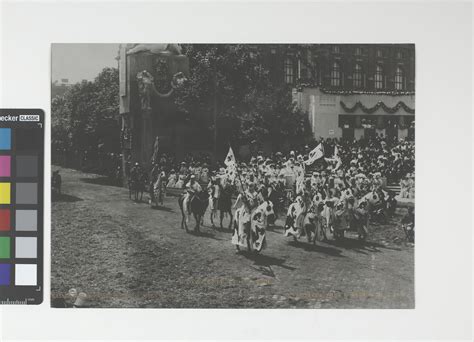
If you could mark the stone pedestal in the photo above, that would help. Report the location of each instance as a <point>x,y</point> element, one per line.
<point>146,100</point>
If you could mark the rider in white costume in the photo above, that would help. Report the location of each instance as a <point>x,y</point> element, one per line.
<point>192,187</point>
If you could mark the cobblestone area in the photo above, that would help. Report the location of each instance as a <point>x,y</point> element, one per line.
<point>126,254</point>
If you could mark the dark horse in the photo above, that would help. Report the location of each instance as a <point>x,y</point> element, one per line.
<point>198,204</point>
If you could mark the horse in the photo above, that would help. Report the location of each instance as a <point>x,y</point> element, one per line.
<point>137,185</point>
<point>197,206</point>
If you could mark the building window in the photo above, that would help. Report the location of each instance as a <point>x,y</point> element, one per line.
<point>336,49</point>
<point>357,76</point>
<point>399,55</point>
<point>378,77</point>
<point>358,51</point>
<point>289,71</point>
<point>336,75</point>
<point>378,53</point>
<point>399,79</point>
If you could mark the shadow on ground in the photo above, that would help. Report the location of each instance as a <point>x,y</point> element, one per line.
<point>360,246</point>
<point>266,260</point>
<point>162,208</point>
<point>309,247</point>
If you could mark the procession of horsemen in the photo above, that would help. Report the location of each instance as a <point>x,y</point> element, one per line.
<point>319,194</point>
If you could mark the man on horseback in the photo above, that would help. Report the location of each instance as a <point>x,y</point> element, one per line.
<point>192,187</point>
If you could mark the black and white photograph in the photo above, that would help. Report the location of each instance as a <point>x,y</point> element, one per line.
<point>233,175</point>
<point>215,170</point>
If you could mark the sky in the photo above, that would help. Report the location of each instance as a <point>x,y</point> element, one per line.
<point>77,62</point>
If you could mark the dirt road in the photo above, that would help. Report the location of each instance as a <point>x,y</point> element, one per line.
<point>125,254</point>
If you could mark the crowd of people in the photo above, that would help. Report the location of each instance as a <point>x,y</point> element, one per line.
<point>344,170</point>
<point>343,174</point>
<point>367,163</point>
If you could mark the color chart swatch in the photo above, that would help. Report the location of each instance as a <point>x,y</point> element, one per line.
<point>21,206</point>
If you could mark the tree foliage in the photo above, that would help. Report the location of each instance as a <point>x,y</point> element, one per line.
<point>232,79</point>
<point>87,114</point>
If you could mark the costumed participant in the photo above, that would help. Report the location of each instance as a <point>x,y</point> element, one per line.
<point>340,218</point>
<point>224,204</point>
<point>205,173</point>
<point>172,179</point>
<point>377,181</point>
<point>183,169</point>
<point>197,172</point>
<point>180,183</point>
<point>214,190</point>
<point>295,217</point>
<point>315,180</point>
<point>159,188</point>
<point>359,217</point>
<point>411,186</point>
<point>310,218</point>
<point>245,204</point>
<point>261,217</point>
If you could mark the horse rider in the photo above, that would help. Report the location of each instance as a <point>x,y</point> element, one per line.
<point>214,189</point>
<point>135,172</point>
<point>192,187</point>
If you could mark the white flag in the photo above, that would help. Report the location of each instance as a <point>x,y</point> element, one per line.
<point>337,158</point>
<point>230,159</point>
<point>315,154</point>
<point>231,169</point>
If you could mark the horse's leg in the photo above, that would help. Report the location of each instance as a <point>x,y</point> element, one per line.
<point>183,216</point>
<point>231,218</point>
<point>221,214</point>
<point>211,216</point>
<point>198,221</point>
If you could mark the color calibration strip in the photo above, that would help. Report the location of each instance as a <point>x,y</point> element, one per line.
<point>21,206</point>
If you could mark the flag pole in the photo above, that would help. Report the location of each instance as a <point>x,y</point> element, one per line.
<point>238,174</point>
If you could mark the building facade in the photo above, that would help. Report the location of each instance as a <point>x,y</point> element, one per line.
<point>349,90</point>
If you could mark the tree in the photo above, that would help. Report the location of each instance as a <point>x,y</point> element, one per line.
<point>87,114</point>
<point>232,80</point>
